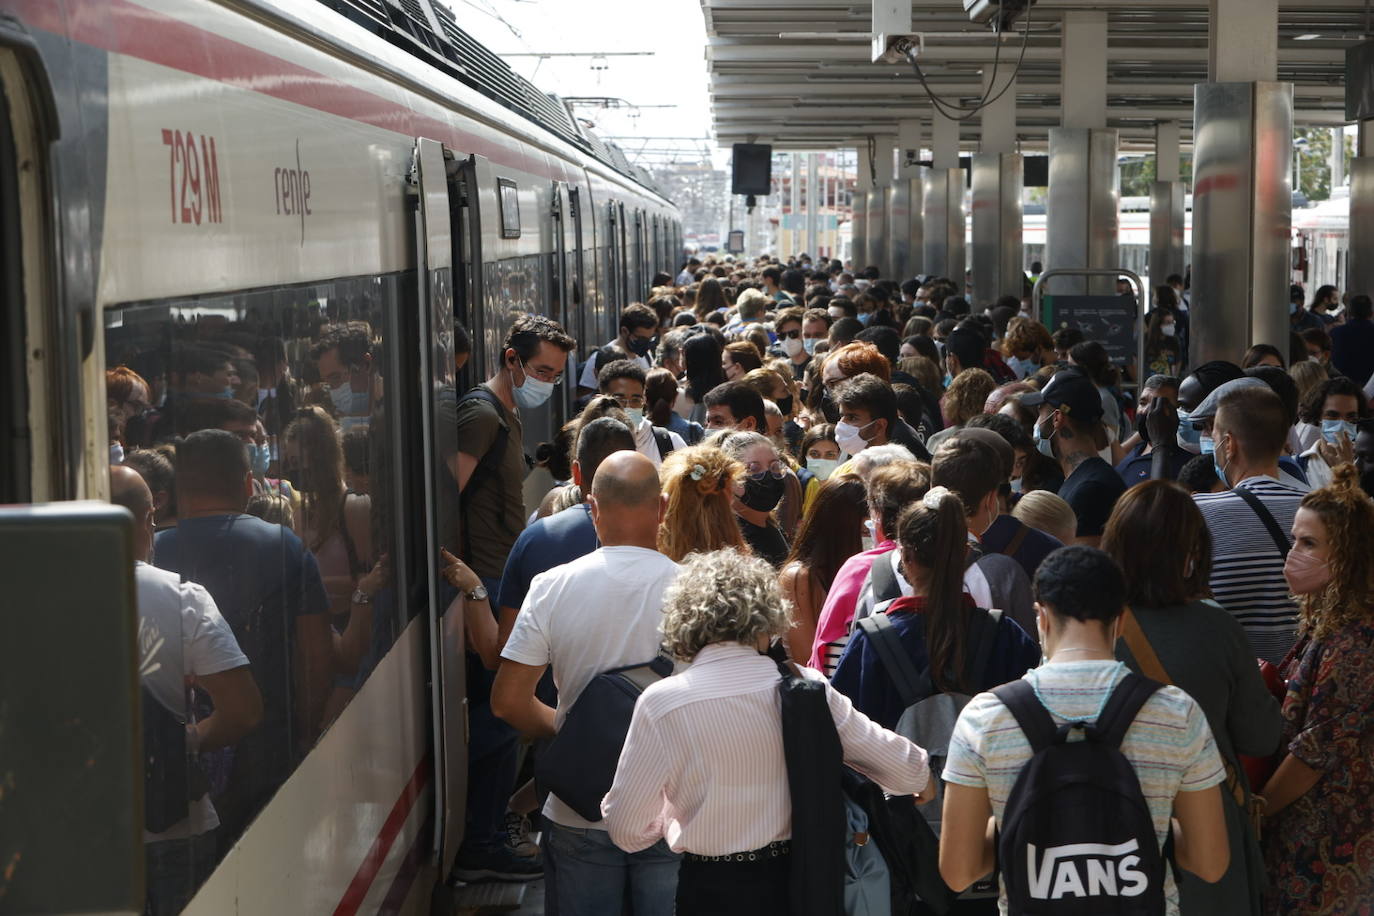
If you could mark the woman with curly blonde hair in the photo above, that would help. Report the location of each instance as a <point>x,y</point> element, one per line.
<point>1319,834</point>
<point>699,483</point>
<point>703,763</point>
<point>963,400</point>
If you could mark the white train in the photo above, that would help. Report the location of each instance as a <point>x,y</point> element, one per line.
<point>190,177</point>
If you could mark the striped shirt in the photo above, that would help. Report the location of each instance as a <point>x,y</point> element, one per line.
<point>1247,568</point>
<point>703,762</point>
<point>1169,744</point>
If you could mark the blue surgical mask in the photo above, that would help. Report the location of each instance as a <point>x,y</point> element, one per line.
<point>1043,444</point>
<point>948,378</point>
<point>1332,429</point>
<point>261,457</point>
<point>348,402</point>
<point>1022,367</point>
<point>1206,446</point>
<point>1189,439</point>
<point>809,344</point>
<point>227,393</point>
<point>1016,485</point>
<point>533,392</point>
<point>865,318</point>
<point>635,415</point>
<point>1221,474</point>
<point>1292,308</point>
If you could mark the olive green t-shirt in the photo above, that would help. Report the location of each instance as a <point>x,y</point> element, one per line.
<point>493,508</point>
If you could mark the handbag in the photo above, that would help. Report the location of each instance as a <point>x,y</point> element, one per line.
<point>579,763</point>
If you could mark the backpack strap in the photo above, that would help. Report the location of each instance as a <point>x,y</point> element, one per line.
<point>1260,509</point>
<point>985,630</point>
<point>1035,721</point>
<point>1122,707</point>
<point>912,685</point>
<point>882,580</point>
<point>1014,544</point>
<point>663,441</point>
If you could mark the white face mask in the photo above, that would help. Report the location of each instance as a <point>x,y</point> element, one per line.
<point>793,346</point>
<point>850,437</point>
<point>836,313</point>
<point>869,538</point>
<point>533,392</point>
<point>117,453</point>
<point>1168,330</point>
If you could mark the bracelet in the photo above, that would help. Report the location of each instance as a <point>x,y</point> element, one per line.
<point>361,597</point>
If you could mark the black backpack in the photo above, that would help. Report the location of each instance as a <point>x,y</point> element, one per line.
<point>1077,836</point>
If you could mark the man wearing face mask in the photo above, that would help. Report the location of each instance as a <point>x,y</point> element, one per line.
<point>1203,417</point>
<point>1250,520</point>
<point>1153,456</point>
<point>624,380</point>
<point>481,447</point>
<point>1069,429</point>
<point>868,416</point>
<point>788,325</point>
<point>344,357</point>
<point>638,329</point>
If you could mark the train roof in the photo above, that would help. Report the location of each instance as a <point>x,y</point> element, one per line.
<point>429,31</point>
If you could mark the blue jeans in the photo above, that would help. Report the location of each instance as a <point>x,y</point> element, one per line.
<point>492,758</point>
<point>588,875</point>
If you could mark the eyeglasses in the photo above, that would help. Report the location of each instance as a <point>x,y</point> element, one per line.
<point>552,376</point>
<point>756,470</point>
<point>629,400</point>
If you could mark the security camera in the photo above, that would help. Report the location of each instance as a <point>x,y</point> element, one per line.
<point>998,13</point>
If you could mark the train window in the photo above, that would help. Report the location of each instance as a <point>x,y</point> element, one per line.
<point>510,208</point>
<point>260,421</point>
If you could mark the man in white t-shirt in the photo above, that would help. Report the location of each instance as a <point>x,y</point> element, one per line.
<point>181,634</point>
<point>599,612</point>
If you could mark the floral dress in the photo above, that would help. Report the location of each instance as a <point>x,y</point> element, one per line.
<point>1320,849</point>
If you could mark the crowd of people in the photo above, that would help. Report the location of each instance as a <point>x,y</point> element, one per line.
<point>955,525</point>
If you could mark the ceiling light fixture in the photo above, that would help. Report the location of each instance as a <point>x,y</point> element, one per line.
<point>1307,36</point>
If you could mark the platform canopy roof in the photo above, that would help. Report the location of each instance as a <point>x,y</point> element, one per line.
<point>797,73</point>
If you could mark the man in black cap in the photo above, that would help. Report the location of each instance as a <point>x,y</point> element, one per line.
<point>1069,429</point>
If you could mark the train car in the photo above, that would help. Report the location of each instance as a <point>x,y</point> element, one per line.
<point>193,191</point>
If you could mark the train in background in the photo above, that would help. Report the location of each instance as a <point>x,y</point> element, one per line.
<point>231,177</point>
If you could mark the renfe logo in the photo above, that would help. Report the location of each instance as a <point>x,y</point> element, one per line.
<point>1106,870</point>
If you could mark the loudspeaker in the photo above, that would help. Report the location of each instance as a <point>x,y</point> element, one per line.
<point>752,172</point>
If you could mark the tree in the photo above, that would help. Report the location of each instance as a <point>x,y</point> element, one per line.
<point>1137,174</point>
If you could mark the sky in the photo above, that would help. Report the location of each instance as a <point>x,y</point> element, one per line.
<point>674,75</point>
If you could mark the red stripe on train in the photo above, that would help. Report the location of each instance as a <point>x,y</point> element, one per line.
<point>391,829</point>
<point>124,27</point>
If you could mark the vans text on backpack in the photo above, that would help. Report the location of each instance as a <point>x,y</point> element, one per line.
<point>1077,836</point>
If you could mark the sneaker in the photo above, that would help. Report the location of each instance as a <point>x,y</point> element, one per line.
<point>499,864</point>
<point>518,835</point>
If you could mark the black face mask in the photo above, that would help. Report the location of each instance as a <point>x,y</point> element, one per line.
<point>784,404</point>
<point>641,345</point>
<point>829,407</point>
<point>762,493</point>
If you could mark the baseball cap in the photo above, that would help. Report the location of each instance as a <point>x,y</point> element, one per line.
<point>1071,392</point>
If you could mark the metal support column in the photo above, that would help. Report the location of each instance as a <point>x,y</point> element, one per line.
<point>812,242</point>
<point>879,205</point>
<point>997,237</point>
<point>1081,231</point>
<point>942,218</point>
<point>1167,195</point>
<point>1360,260</point>
<point>1242,214</point>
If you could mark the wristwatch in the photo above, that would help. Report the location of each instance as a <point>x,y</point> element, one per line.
<point>478,594</point>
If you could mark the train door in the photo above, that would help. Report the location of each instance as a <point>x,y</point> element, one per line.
<point>430,327</point>
<point>66,747</point>
<point>576,280</point>
<point>568,315</point>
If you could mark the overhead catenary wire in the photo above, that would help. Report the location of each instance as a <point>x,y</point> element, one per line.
<point>956,111</point>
